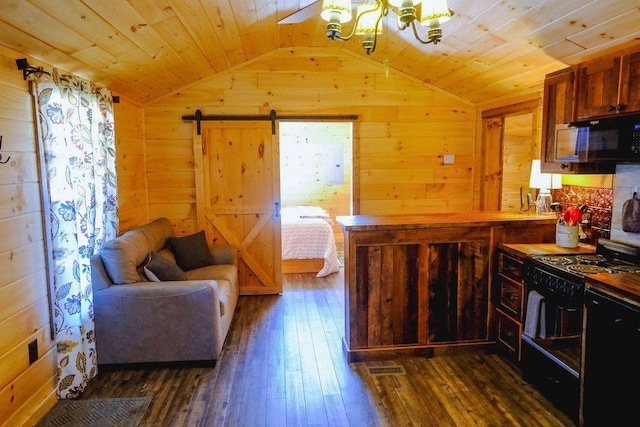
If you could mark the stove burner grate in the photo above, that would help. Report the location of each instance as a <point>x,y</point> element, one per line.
<point>623,268</point>
<point>591,259</point>
<point>556,260</point>
<point>588,268</point>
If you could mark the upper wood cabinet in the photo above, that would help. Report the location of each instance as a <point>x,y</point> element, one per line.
<point>609,86</point>
<point>598,88</point>
<point>559,106</point>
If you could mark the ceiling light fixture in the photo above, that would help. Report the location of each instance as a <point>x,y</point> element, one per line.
<point>428,13</point>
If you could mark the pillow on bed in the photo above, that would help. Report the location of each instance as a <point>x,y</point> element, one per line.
<point>160,269</point>
<point>192,251</point>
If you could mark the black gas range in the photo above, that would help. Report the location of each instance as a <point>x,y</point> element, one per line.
<point>610,257</point>
<point>551,355</point>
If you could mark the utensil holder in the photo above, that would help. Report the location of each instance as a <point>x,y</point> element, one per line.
<point>567,236</point>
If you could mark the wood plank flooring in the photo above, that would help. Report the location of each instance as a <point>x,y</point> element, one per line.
<point>283,365</point>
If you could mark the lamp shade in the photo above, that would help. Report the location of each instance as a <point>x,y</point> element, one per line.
<point>434,9</point>
<point>541,180</point>
<point>339,10</point>
<point>369,13</point>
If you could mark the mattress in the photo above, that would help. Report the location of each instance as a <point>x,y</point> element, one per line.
<point>307,233</point>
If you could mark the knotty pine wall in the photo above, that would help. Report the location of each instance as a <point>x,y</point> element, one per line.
<point>27,392</point>
<point>405,128</point>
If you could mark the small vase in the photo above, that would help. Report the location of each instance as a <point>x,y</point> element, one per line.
<point>567,236</point>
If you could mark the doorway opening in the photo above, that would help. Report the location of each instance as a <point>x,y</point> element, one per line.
<point>316,168</point>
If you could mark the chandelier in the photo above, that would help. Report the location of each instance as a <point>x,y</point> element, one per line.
<point>428,13</point>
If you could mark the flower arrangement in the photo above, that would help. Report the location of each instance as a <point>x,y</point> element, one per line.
<point>572,216</point>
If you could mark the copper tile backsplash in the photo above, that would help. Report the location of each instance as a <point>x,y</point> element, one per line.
<point>600,205</point>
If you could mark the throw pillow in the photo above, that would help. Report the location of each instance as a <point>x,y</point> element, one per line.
<point>192,251</point>
<point>160,269</point>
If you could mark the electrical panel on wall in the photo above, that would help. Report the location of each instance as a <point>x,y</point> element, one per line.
<point>333,164</point>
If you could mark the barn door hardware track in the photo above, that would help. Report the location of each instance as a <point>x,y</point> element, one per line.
<point>272,117</point>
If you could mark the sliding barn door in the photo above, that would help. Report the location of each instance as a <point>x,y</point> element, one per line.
<point>238,189</point>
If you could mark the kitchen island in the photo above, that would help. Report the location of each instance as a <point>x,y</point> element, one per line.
<point>422,284</point>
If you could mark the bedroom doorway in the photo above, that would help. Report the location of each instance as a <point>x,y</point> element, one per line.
<point>316,168</point>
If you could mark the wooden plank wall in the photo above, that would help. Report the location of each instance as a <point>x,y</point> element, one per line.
<point>133,207</point>
<point>404,130</point>
<point>27,391</point>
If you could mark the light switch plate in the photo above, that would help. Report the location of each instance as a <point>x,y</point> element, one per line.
<point>449,159</point>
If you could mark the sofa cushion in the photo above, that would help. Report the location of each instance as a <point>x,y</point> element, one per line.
<point>226,272</point>
<point>157,231</point>
<point>159,269</point>
<point>122,256</point>
<point>192,251</point>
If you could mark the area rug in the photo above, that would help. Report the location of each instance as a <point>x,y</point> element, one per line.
<point>125,412</point>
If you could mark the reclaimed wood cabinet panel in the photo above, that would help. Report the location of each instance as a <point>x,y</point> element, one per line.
<point>609,86</point>
<point>559,106</point>
<point>456,285</point>
<point>598,88</point>
<point>630,82</point>
<point>422,293</point>
<point>420,285</point>
<point>387,295</point>
<point>511,302</point>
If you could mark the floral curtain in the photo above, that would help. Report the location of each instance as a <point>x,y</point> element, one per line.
<point>78,145</point>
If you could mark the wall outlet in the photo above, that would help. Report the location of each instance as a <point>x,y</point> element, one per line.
<point>449,159</point>
<point>33,351</point>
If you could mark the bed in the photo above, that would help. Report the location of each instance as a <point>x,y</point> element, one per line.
<point>308,242</point>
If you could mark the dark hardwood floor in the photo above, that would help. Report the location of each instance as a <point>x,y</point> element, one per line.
<point>283,365</point>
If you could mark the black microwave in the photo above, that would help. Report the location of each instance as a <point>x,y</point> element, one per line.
<point>599,140</point>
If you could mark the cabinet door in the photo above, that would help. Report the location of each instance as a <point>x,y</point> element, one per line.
<point>598,88</point>
<point>630,83</point>
<point>420,294</point>
<point>559,89</point>
<point>559,106</point>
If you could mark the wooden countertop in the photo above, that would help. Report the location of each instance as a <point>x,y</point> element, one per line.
<point>528,249</point>
<point>625,286</point>
<point>435,220</point>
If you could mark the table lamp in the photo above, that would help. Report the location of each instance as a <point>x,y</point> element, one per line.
<point>544,182</point>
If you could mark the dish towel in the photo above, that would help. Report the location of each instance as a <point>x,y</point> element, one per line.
<point>535,322</point>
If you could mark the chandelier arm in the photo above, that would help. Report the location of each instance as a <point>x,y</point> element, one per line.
<point>415,33</point>
<point>375,35</point>
<point>384,11</point>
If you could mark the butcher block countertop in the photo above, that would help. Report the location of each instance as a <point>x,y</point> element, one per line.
<point>625,286</point>
<point>528,249</point>
<point>435,220</point>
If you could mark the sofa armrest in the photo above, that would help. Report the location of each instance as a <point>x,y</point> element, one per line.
<point>225,255</point>
<point>158,321</point>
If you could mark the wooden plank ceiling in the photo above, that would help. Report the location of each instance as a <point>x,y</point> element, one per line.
<point>146,48</point>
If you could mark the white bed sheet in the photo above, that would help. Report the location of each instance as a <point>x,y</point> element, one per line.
<point>307,233</point>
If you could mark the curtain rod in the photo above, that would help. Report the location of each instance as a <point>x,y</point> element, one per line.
<point>272,117</point>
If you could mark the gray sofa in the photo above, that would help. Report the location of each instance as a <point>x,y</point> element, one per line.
<point>140,321</point>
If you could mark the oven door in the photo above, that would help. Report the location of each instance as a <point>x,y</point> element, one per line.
<point>555,379</point>
<point>551,342</point>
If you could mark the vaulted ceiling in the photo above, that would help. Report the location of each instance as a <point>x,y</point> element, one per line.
<point>146,48</point>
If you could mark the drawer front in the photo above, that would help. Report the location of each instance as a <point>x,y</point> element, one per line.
<point>511,297</point>
<point>509,332</point>
<point>510,267</point>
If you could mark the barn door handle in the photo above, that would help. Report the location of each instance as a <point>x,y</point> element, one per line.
<point>8,158</point>
<point>277,209</point>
